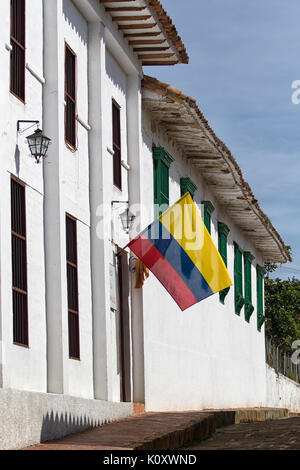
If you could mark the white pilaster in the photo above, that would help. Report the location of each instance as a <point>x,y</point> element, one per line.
<point>99,241</point>
<point>134,126</point>
<point>53,119</point>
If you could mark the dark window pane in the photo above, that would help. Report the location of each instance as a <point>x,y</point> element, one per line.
<point>19,269</point>
<point>18,20</point>
<point>70,97</point>
<point>17,55</point>
<point>70,65</point>
<point>117,168</point>
<point>20,318</point>
<point>70,122</point>
<point>18,208</point>
<point>74,351</point>
<point>19,264</point>
<point>116,126</point>
<point>72,286</point>
<point>117,173</point>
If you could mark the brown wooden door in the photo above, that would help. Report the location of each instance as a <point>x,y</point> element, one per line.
<point>124,311</point>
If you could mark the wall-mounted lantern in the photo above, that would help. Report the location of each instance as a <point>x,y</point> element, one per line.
<point>38,143</point>
<point>127,217</point>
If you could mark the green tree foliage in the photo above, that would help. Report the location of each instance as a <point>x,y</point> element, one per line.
<point>282,305</point>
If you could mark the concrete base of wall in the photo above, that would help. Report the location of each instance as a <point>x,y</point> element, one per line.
<point>28,418</point>
<point>282,391</point>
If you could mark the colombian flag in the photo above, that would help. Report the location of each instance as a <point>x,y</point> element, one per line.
<point>179,251</point>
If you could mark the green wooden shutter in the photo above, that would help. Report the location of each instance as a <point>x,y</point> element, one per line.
<point>208,210</point>
<point>187,186</point>
<point>238,279</point>
<point>248,258</point>
<point>223,232</point>
<point>260,297</point>
<point>162,161</point>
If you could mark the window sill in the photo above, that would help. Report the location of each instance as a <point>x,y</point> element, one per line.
<point>24,346</point>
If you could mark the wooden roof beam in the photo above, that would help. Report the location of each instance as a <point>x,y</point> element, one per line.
<point>137,26</point>
<point>157,62</point>
<point>131,18</point>
<point>145,42</point>
<point>142,34</point>
<point>155,56</point>
<point>150,49</point>
<point>126,9</point>
<point>115,1</point>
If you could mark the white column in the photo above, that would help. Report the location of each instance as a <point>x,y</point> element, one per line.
<point>134,126</point>
<point>99,239</point>
<point>53,123</point>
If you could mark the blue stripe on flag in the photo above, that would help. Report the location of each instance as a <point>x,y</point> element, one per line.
<point>178,259</point>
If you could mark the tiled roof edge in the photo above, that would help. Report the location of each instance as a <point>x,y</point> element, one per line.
<point>165,89</point>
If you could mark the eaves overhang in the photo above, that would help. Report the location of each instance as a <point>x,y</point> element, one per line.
<point>178,116</point>
<point>149,30</point>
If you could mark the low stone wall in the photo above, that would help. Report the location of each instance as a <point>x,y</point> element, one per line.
<point>27,418</point>
<point>282,392</point>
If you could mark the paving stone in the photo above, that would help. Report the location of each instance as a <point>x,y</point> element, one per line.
<point>283,434</point>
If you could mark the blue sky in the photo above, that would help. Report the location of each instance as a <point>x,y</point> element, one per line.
<point>244,57</point>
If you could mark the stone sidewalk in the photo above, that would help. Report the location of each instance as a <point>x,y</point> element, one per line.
<point>281,434</point>
<point>159,431</point>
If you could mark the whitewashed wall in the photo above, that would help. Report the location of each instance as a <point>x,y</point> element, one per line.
<point>22,368</point>
<point>75,196</point>
<point>207,356</point>
<point>282,392</point>
<point>65,183</point>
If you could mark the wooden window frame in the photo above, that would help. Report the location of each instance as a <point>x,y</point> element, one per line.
<point>260,297</point>
<point>208,211</point>
<point>162,160</point>
<point>223,232</point>
<point>70,310</point>
<point>71,145</point>
<point>117,145</point>
<point>15,43</point>
<point>16,289</point>
<point>239,299</point>
<point>249,309</point>
<point>187,186</point>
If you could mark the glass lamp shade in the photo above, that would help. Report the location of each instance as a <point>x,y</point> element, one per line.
<point>38,144</point>
<point>127,219</point>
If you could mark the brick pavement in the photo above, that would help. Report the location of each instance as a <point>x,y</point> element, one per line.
<point>144,431</point>
<point>159,431</point>
<point>283,434</point>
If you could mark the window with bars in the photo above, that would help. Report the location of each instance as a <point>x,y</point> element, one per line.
<point>72,283</point>
<point>19,264</point>
<point>17,55</point>
<point>70,98</point>
<point>117,166</point>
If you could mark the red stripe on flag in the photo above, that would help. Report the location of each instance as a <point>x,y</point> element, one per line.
<point>164,272</point>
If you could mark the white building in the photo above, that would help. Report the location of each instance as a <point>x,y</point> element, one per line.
<point>71,354</point>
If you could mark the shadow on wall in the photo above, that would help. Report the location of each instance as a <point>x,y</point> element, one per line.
<point>57,425</point>
<point>75,21</point>
<point>115,73</point>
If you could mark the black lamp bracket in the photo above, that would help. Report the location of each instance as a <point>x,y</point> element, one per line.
<point>34,123</point>
<point>119,202</point>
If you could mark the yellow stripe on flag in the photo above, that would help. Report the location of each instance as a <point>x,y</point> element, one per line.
<point>184,223</point>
